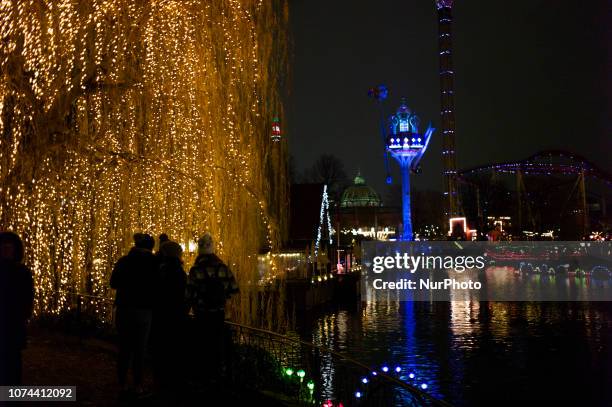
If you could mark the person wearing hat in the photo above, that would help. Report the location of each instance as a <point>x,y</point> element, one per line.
<point>16,303</point>
<point>169,317</point>
<point>209,285</point>
<point>135,279</point>
<point>161,240</point>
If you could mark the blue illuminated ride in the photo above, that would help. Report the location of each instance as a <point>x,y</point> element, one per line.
<point>407,145</point>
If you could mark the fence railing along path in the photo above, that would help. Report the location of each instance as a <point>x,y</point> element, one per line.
<point>300,371</point>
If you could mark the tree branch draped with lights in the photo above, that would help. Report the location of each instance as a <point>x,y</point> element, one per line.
<point>119,116</point>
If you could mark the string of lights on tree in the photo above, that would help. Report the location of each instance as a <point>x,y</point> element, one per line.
<point>324,222</point>
<point>120,117</point>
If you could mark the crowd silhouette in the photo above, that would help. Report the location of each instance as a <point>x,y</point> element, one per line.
<point>154,299</point>
<point>158,307</point>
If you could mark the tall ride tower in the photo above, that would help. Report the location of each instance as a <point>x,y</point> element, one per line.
<point>447,87</point>
<point>407,145</point>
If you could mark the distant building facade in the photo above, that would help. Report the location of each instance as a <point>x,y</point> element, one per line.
<point>362,215</point>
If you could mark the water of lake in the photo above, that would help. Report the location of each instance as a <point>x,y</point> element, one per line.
<point>472,353</point>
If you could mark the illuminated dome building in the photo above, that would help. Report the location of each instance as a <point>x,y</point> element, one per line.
<point>361,214</point>
<point>359,195</point>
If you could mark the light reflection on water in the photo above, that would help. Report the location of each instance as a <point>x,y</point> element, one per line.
<point>479,353</point>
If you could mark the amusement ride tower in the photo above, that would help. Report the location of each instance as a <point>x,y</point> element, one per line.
<point>407,146</point>
<point>447,87</point>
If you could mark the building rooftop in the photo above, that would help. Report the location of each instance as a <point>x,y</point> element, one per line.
<point>359,195</point>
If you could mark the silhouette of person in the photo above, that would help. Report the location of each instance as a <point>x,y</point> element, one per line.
<point>169,317</point>
<point>16,303</point>
<point>209,285</point>
<point>135,278</point>
<point>163,238</point>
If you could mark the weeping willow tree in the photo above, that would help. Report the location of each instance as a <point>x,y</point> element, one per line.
<point>123,116</point>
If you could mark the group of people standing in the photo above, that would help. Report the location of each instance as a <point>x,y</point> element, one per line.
<point>154,297</point>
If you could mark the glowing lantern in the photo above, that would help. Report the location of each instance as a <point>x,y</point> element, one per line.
<point>276,130</point>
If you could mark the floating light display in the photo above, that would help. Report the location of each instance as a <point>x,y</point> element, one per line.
<point>359,393</point>
<point>119,116</point>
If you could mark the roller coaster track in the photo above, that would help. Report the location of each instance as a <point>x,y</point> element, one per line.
<point>546,162</point>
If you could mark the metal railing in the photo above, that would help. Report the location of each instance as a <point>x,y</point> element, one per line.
<point>291,368</point>
<point>314,374</point>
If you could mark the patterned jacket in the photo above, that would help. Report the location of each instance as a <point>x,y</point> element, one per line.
<point>209,267</point>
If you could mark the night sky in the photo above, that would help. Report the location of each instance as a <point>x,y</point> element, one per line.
<point>530,75</point>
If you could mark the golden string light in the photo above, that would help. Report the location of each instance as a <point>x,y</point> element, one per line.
<point>118,116</point>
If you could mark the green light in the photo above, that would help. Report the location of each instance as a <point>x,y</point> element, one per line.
<point>288,371</point>
<point>310,385</point>
<point>301,373</point>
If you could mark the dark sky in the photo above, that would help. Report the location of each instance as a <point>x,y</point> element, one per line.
<point>530,75</point>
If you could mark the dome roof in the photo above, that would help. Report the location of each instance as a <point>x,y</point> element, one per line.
<point>359,194</point>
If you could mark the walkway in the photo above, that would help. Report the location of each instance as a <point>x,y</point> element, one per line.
<point>53,358</point>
